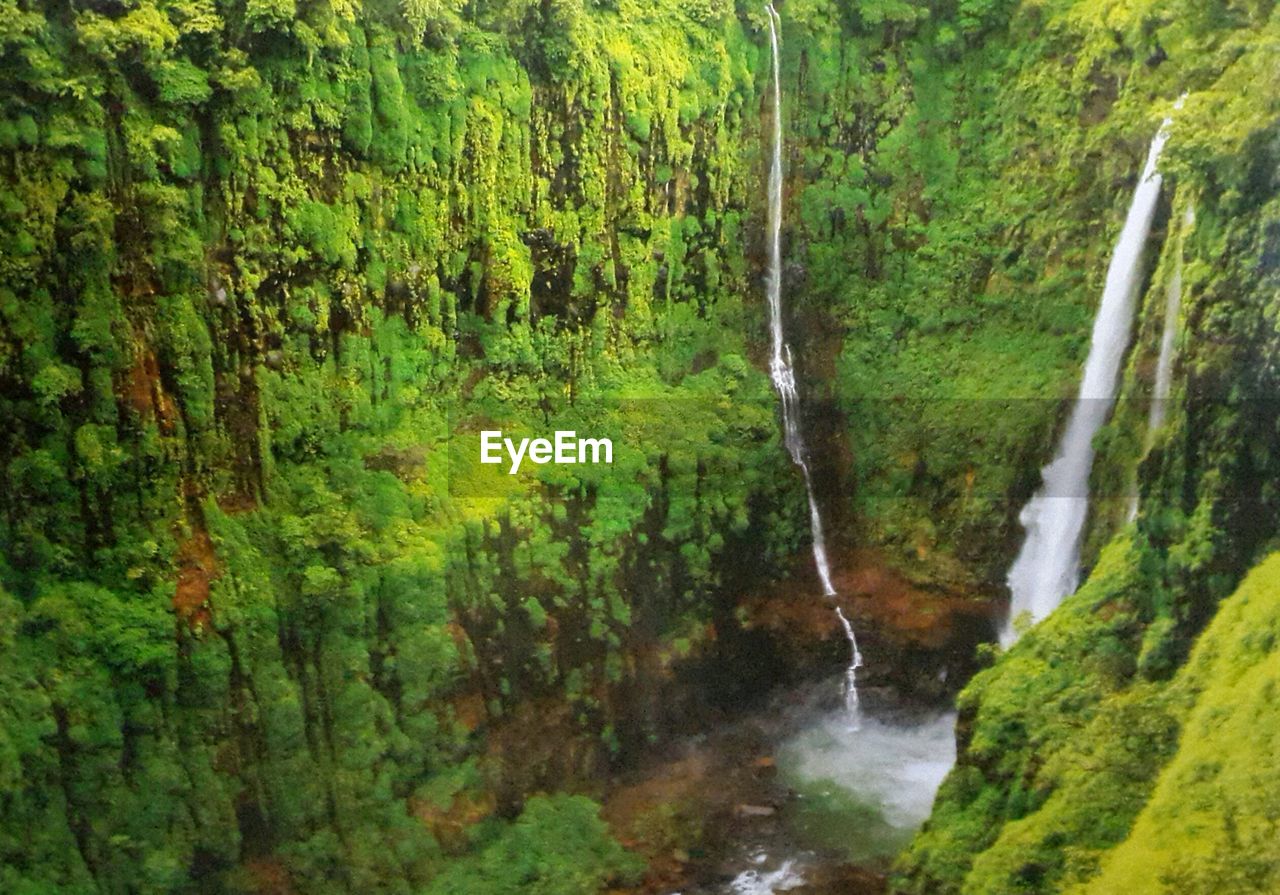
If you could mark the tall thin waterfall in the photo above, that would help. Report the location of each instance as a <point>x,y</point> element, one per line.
<point>781,370</point>
<point>1048,567</point>
<point>1164,364</point>
<point>1168,335</point>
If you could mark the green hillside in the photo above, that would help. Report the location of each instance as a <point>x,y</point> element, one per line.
<point>269,267</point>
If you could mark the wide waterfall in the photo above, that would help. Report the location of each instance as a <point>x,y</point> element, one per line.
<point>1048,567</point>
<point>781,370</point>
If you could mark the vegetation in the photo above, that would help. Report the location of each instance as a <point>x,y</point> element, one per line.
<point>1210,824</point>
<point>963,172</point>
<point>269,268</point>
<point>1067,739</point>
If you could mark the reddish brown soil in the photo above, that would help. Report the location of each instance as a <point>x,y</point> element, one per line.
<point>894,605</point>
<point>871,592</point>
<point>267,876</point>
<point>142,390</point>
<point>197,566</point>
<point>649,815</point>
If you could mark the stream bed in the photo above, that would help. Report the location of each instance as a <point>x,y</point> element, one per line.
<point>857,789</point>
<point>796,797</point>
<point>779,787</point>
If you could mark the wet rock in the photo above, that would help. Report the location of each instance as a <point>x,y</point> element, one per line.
<point>794,277</point>
<point>218,294</point>
<point>845,879</point>
<point>755,810</point>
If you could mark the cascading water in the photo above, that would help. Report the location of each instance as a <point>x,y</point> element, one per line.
<point>781,370</point>
<point>1164,364</point>
<point>1048,567</point>
<point>1168,335</point>
<point>855,662</point>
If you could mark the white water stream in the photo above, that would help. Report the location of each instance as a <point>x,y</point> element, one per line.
<point>1048,567</point>
<point>1163,387</point>
<point>782,372</point>
<point>864,784</point>
<point>861,794</point>
<point>1168,336</point>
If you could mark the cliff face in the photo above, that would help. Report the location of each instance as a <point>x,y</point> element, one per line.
<point>961,174</point>
<point>965,172</point>
<point>1077,743</point>
<point>267,267</point>
<point>1209,824</point>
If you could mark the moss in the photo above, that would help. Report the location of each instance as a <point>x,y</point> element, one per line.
<point>1071,733</point>
<point>266,270</point>
<point>250,310</point>
<point>1210,822</point>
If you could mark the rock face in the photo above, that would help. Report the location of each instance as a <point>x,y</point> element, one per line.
<point>918,643</point>
<point>1105,683</point>
<point>263,617</point>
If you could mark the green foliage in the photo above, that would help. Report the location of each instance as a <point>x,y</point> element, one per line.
<point>266,266</point>
<point>558,846</point>
<point>1210,824</point>
<point>1072,733</point>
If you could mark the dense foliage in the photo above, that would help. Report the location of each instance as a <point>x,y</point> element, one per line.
<point>1211,822</point>
<point>1086,722</point>
<point>268,267</point>
<point>964,170</point>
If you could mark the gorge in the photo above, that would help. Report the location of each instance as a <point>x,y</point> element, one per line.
<point>822,275</point>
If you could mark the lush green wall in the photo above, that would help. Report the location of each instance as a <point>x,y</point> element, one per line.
<point>267,269</point>
<point>1210,824</point>
<point>962,171</point>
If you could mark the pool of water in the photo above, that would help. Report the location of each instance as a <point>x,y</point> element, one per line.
<point>856,790</point>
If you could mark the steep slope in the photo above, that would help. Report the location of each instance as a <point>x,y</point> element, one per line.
<point>961,171</point>
<point>268,268</point>
<point>1063,739</point>
<point>1211,822</point>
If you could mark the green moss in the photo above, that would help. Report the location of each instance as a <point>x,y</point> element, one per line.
<point>266,269</point>
<point>1210,822</point>
<point>247,321</point>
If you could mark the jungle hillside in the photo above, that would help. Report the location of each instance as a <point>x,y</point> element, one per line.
<point>269,269</point>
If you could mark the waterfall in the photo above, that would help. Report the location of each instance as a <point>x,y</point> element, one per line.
<point>1164,364</point>
<point>1048,567</point>
<point>855,662</point>
<point>1168,335</point>
<point>781,370</point>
